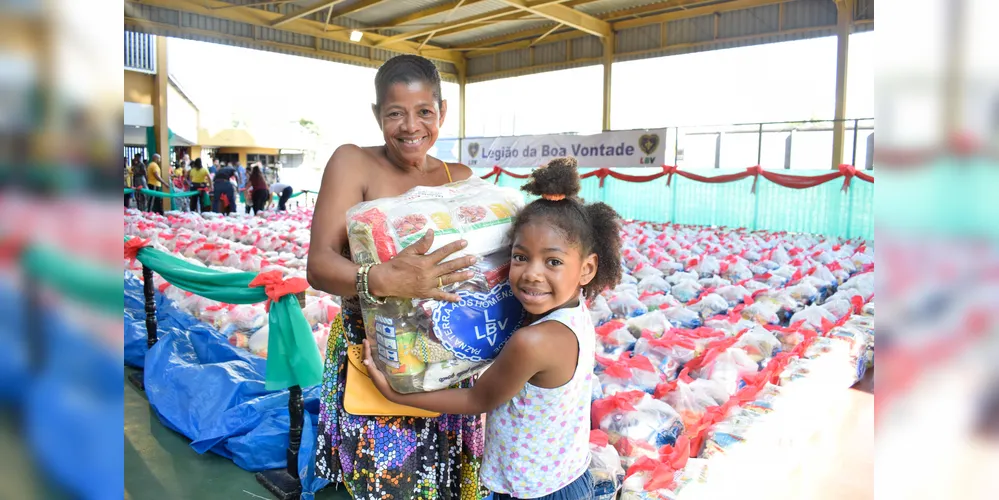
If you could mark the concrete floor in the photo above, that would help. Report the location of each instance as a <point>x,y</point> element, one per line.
<point>160,464</point>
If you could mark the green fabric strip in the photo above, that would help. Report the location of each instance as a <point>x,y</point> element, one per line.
<point>87,283</point>
<point>292,355</point>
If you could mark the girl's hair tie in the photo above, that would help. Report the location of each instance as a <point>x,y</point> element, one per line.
<point>553,197</point>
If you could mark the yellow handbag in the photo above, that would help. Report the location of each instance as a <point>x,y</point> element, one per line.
<point>361,397</point>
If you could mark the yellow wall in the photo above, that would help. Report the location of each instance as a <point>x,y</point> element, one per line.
<point>242,152</point>
<point>139,87</point>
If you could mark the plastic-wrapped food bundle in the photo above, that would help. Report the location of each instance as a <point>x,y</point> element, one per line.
<point>677,277</point>
<point>658,478</point>
<point>812,317</point>
<point>804,293</point>
<point>600,311</point>
<point>759,344</point>
<point>859,342</point>
<point>638,425</point>
<point>320,310</point>
<point>707,267</point>
<point>737,272</point>
<point>654,284</point>
<point>473,330</point>
<point>247,317</point>
<point>687,290</point>
<point>713,282</point>
<point>626,305</point>
<point>630,373</point>
<point>613,339</point>
<point>689,404</point>
<point>733,294</point>
<point>682,317</point>
<point>764,312</point>
<point>868,309</point>
<point>666,353</point>
<point>644,271</point>
<point>605,466</point>
<point>709,306</point>
<point>863,283</point>
<point>658,300</point>
<point>839,307</point>
<point>655,322</point>
<point>728,368</point>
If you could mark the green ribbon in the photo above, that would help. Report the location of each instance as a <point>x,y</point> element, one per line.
<point>161,194</point>
<point>292,355</point>
<point>87,283</point>
<point>129,190</point>
<point>296,195</point>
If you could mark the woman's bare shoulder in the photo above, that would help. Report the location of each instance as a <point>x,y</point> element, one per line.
<point>459,171</point>
<point>350,154</point>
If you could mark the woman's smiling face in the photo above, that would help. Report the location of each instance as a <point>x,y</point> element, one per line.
<point>410,119</point>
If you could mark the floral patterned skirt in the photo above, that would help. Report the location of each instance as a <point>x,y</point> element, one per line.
<point>392,458</point>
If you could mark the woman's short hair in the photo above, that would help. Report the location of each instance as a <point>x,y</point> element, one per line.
<point>407,68</point>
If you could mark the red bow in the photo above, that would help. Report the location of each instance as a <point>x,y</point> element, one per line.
<point>669,170</point>
<point>658,475</point>
<point>848,171</point>
<point>599,438</point>
<point>755,172</point>
<point>622,401</point>
<point>275,286</point>
<point>132,247</point>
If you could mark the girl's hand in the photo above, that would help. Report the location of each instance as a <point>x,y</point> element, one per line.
<point>376,375</point>
<point>414,274</point>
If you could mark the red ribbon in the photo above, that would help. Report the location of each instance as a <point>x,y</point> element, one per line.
<point>132,247</point>
<point>275,286</point>
<point>599,438</point>
<point>622,401</point>
<point>658,475</point>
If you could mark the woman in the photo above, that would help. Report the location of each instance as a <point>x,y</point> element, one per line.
<point>224,192</point>
<point>200,181</point>
<point>259,194</point>
<point>179,180</point>
<point>401,458</point>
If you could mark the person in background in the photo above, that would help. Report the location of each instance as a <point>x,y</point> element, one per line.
<point>224,200</point>
<point>284,191</point>
<point>178,178</point>
<point>139,183</point>
<point>128,181</point>
<point>200,181</point>
<point>155,181</point>
<point>240,176</point>
<point>214,167</point>
<point>260,195</point>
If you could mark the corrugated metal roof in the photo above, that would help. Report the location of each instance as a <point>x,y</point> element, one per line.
<point>793,20</point>
<point>377,14</point>
<point>607,6</point>
<point>490,31</point>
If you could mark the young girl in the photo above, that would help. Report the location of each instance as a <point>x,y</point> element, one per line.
<point>537,392</point>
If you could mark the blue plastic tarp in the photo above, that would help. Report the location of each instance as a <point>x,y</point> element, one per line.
<point>202,387</point>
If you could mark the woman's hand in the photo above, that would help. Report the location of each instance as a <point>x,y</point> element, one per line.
<point>376,375</point>
<point>417,275</point>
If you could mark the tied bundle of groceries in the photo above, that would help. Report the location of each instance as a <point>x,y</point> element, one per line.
<point>426,344</point>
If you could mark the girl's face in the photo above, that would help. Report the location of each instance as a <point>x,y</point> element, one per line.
<point>410,120</point>
<point>546,271</point>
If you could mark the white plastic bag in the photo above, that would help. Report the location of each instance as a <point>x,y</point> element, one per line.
<point>475,211</point>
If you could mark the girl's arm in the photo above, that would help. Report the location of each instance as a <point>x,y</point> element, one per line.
<point>528,352</point>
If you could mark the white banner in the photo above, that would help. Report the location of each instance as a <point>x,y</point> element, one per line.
<point>631,148</point>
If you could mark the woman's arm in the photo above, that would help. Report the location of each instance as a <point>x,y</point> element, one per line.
<point>528,352</point>
<point>340,189</point>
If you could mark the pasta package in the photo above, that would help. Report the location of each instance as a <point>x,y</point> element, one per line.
<point>423,344</point>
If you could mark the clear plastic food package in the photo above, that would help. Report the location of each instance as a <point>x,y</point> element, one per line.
<point>426,345</point>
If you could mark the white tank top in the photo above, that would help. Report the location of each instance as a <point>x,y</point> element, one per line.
<point>538,442</point>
